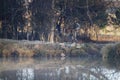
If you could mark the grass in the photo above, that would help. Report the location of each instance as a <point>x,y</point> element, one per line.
<point>37,49</point>
<point>9,48</point>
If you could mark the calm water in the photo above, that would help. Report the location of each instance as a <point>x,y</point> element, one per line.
<point>58,69</point>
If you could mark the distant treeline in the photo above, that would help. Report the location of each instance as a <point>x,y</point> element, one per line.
<point>37,19</point>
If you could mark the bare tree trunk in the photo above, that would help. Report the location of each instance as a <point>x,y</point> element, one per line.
<point>27,17</point>
<point>93,28</point>
<point>51,39</point>
<point>88,13</point>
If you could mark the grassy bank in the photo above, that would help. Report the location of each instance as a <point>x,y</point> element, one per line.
<point>23,48</point>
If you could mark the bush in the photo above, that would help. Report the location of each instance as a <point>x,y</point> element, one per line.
<point>117,49</point>
<point>111,51</point>
<point>25,52</point>
<point>39,53</point>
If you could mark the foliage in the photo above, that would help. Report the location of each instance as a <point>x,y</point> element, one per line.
<point>43,17</point>
<point>111,51</point>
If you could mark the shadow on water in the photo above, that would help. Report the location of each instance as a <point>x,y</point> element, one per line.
<point>58,69</point>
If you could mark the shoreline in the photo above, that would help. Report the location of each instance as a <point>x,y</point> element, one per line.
<point>25,48</point>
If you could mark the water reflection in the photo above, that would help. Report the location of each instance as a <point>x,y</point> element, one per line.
<point>57,69</point>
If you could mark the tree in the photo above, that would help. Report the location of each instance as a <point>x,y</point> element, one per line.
<point>118,14</point>
<point>36,19</point>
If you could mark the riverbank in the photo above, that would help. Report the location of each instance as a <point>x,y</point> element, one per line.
<point>24,48</point>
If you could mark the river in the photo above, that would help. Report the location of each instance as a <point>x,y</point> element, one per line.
<point>58,69</point>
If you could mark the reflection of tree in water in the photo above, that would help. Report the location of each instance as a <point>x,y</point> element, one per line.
<point>55,73</point>
<point>113,64</point>
<point>63,70</point>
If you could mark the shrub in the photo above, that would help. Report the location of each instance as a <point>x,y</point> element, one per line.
<point>111,51</point>
<point>39,53</point>
<point>25,52</point>
<point>117,49</point>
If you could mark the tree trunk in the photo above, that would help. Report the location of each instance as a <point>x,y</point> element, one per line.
<point>93,28</point>
<point>51,39</point>
<point>88,13</point>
